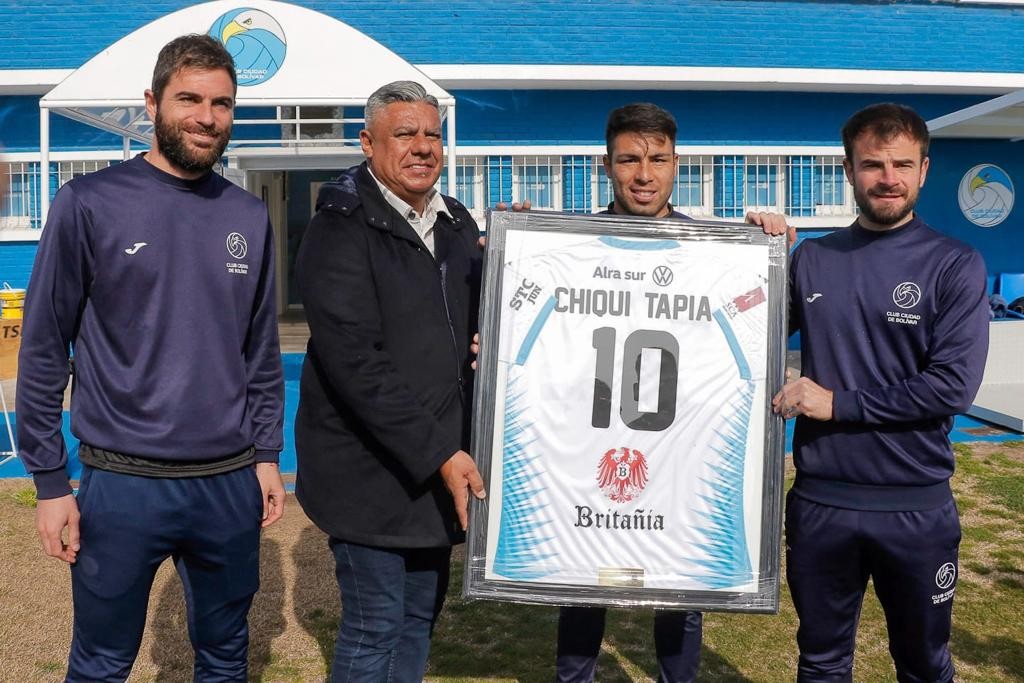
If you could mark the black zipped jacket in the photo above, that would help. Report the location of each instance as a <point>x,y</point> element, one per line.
<point>385,389</point>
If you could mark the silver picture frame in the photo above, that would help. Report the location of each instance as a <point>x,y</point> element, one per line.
<point>531,540</point>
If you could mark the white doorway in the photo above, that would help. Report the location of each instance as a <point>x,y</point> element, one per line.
<point>290,195</point>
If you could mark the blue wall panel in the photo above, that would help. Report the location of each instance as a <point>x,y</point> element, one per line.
<point>892,35</point>
<point>546,117</point>
<point>576,184</point>
<point>799,185</point>
<point>16,260</point>
<point>19,129</point>
<point>552,117</point>
<point>728,186</point>
<point>499,180</point>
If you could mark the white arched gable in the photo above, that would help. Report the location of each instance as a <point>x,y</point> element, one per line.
<point>286,57</point>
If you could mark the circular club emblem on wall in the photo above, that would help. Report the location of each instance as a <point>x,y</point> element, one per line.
<point>237,246</point>
<point>985,195</point>
<point>946,575</point>
<point>256,42</point>
<point>906,295</point>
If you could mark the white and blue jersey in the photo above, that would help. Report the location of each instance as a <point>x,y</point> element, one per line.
<point>630,370</point>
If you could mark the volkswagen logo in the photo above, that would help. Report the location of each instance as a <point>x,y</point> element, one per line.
<point>906,295</point>
<point>662,275</point>
<point>946,575</point>
<point>237,246</point>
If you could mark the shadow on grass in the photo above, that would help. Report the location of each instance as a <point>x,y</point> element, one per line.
<point>482,639</point>
<point>507,641</point>
<point>998,651</point>
<point>315,591</point>
<point>714,667</point>
<point>492,640</point>
<point>266,618</point>
<point>489,640</point>
<point>172,652</point>
<point>631,632</point>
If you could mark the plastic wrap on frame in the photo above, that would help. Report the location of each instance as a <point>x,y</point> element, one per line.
<point>759,591</point>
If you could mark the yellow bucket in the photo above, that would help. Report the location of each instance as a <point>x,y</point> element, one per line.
<point>12,302</point>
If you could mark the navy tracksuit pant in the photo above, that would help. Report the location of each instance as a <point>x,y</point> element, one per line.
<point>677,637</point>
<point>912,559</point>
<point>130,524</point>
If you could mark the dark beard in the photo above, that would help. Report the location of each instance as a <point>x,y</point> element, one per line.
<point>170,139</point>
<point>890,217</point>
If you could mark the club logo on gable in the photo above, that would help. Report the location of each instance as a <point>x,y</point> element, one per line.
<point>255,40</point>
<point>906,295</point>
<point>237,245</point>
<point>946,575</point>
<point>622,474</point>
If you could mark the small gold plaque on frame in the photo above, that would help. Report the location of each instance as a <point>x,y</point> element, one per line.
<point>622,577</point>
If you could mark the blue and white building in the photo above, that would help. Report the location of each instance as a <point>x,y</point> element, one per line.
<point>760,90</point>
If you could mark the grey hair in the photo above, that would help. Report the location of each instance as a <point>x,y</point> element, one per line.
<point>398,91</point>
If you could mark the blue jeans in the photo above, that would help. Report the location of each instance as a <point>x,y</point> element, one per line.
<point>390,600</point>
<point>209,526</point>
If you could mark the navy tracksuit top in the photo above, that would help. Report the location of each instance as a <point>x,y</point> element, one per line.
<point>896,324</point>
<point>165,290</point>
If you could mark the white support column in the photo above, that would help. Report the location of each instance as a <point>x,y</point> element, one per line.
<point>126,147</point>
<point>44,164</point>
<point>451,151</point>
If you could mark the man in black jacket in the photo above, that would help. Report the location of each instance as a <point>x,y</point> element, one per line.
<point>389,273</point>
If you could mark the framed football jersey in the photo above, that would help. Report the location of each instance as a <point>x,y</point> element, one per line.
<point>622,418</point>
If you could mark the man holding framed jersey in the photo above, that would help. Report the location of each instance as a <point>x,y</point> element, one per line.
<point>641,165</point>
<point>389,272</point>
<point>894,336</point>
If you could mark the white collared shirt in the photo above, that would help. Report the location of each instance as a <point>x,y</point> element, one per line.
<point>422,224</point>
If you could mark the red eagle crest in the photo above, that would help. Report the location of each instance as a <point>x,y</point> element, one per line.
<point>622,474</point>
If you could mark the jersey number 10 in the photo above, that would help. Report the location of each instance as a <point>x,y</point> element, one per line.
<point>604,373</point>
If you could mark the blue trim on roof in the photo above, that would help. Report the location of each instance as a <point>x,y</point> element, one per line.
<point>916,35</point>
<point>19,129</point>
<point>567,117</point>
<point>578,117</point>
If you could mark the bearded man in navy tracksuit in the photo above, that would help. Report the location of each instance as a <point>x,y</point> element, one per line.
<point>894,336</point>
<point>159,274</point>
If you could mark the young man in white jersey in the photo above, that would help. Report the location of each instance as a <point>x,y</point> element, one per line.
<point>641,165</point>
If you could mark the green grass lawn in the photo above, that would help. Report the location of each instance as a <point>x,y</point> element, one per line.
<point>295,615</point>
<point>479,641</point>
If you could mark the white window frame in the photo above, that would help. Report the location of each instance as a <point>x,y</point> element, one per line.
<point>9,170</point>
<point>554,164</point>
<point>69,165</point>
<point>705,163</point>
<point>576,161</point>
<point>596,173</point>
<point>479,163</point>
<point>781,164</point>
